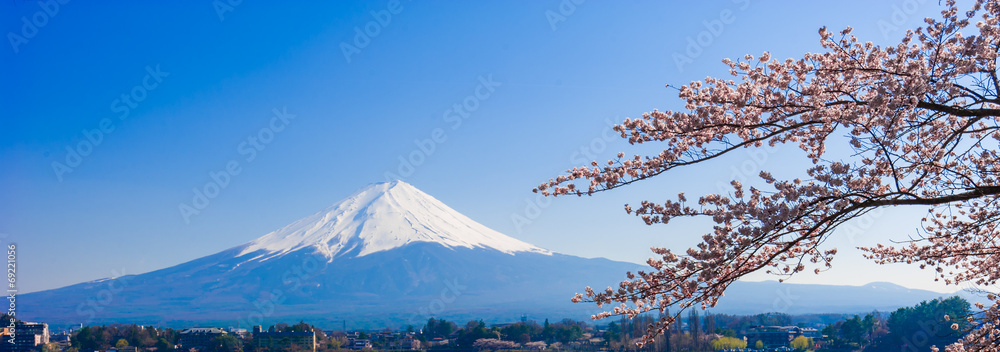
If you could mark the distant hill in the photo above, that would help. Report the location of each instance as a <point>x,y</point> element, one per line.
<point>771,296</point>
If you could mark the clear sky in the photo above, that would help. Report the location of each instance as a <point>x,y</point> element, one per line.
<point>114,113</point>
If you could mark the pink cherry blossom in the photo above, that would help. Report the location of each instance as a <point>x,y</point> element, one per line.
<point>921,117</point>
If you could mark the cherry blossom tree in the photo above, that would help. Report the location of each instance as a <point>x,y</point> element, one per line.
<point>921,118</point>
<point>494,344</point>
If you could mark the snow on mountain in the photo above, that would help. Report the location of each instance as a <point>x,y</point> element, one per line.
<point>378,218</point>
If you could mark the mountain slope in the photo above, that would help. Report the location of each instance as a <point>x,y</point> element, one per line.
<point>391,255</point>
<point>388,242</point>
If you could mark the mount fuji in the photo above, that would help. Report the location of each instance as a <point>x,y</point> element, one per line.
<point>390,255</point>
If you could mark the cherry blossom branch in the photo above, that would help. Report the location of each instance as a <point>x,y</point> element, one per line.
<point>920,136</point>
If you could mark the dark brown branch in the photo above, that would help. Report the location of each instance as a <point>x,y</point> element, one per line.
<point>958,111</point>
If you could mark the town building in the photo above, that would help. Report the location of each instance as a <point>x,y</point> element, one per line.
<point>60,337</point>
<point>25,336</point>
<point>123,349</point>
<point>408,342</point>
<point>240,333</point>
<point>359,344</point>
<point>778,336</point>
<point>275,340</point>
<point>199,337</point>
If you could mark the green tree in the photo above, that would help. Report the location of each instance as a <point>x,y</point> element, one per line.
<point>301,326</point>
<point>613,333</point>
<point>333,344</point>
<point>801,343</point>
<point>726,332</point>
<point>932,319</point>
<point>567,330</point>
<point>82,339</point>
<point>852,330</point>
<point>439,328</point>
<point>226,343</point>
<point>50,347</point>
<point>163,345</point>
<point>728,343</point>
<point>473,331</point>
<point>695,329</point>
<point>759,344</point>
<point>121,343</point>
<point>150,337</point>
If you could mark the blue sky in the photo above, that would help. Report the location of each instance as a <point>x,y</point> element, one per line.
<point>156,98</point>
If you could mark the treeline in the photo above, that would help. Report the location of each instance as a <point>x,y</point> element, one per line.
<point>99,338</point>
<point>930,323</point>
<point>696,332</point>
<point>936,322</point>
<point>562,332</point>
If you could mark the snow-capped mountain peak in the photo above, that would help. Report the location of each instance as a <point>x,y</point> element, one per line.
<point>380,217</point>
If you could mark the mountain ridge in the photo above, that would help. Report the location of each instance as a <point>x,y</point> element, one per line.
<point>387,255</point>
<point>410,215</point>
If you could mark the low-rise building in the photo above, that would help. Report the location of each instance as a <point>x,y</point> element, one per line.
<point>408,342</point>
<point>360,344</point>
<point>278,340</point>
<point>60,337</point>
<point>810,333</point>
<point>24,337</point>
<point>240,333</point>
<point>199,338</point>
<point>123,349</point>
<point>778,336</point>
